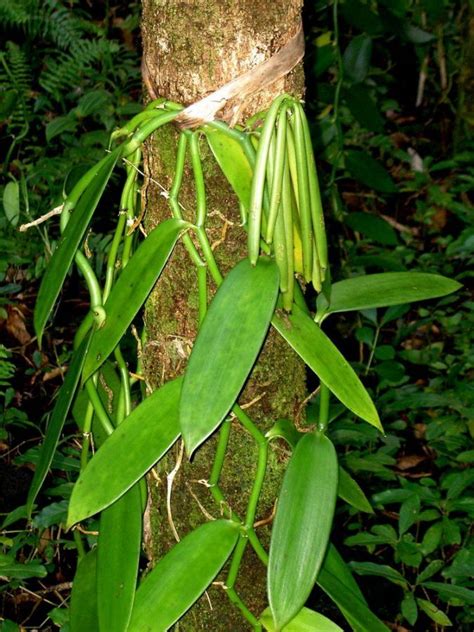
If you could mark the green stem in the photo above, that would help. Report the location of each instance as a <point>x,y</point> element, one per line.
<point>99,409</point>
<point>86,434</point>
<point>125,378</point>
<point>201,207</point>
<point>324,397</point>
<point>81,551</point>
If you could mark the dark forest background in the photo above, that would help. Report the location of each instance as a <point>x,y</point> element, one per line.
<point>390,87</point>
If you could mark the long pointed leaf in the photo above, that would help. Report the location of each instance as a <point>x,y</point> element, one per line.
<point>226,348</point>
<point>323,357</point>
<point>305,621</point>
<point>56,423</point>
<point>350,491</point>
<point>383,290</point>
<point>131,290</point>
<point>130,451</point>
<point>302,526</point>
<point>336,579</point>
<point>83,609</point>
<point>181,577</point>
<point>63,256</point>
<point>119,545</point>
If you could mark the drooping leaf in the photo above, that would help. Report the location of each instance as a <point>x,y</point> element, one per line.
<point>83,609</point>
<point>226,347</point>
<point>337,582</point>
<point>56,422</point>
<point>12,569</point>
<point>118,554</point>
<point>383,290</point>
<point>373,227</point>
<point>181,577</point>
<point>379,570</point>
<point>409,608</point>
<point>369,171</point>
<point>302,526</point>
<point>131,290</point>
<point>231,158</point>
<point>356,58</point>
<point>11,202</point>
<point>349,490</point>
<point>305,621</point>
<point>433,612</point>
<point>451,591</point>
<point>363,108</point>
<point>323,357</point>
<point>63,256</point>
<point>130,451</point>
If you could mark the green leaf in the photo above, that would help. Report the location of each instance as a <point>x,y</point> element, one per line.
<point>302,526</point>
<point>63,256</point>
<point>323,357</point>
<point>181,577</point>
<point>379,570</point>
<point>373,227</point>
<point>408,513</point>
<point>131,290</point>
<point>382,290</point>
<point>369,171</point>
<point>56,423</point>
<point>11,569</point>
<point>83,609</point>
<point>356,58</point>
<point>226,347</point>
<point>305,621</point>
<point>349,490</point>
<point>433,567</point>
<point>447,591</point>
<point>284,429</point>
<point>118,554</point>
<point>11,202</point>
<point>363,108</point>
<point>409,608</point>
<point>342,589</point>
<point>59,125</point>
<point>434,613</point>
<point>231,158</point>
<point>130,451</point>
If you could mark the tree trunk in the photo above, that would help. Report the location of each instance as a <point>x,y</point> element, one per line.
<point>192,48</point>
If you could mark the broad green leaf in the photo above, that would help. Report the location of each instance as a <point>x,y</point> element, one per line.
<point>335,565</point>
<point>323,357</point>
<point>337,582</point>
<point>356,58</point>
<point>433,612</point>
<point>305,621</point>
<point>130,451</point>
<point>409,608</point>
<point>363,108</point>
<point>226,347</point>
<point>379,570</point>
<point>383,290</point>
<point>59,125</point>
<point>451,591</point>
<point>11,202</point>
<point>349,490</point>
<point>63,256</point>
<point>302,526</point>
<point>118,554</point>
<point>369,171</point>
<point>181,577</point>
<point>131,290</point>
<point>56,423</point>
<point>373,227</point>
<point>83,609</point>
<point>231,158</point>
<point>11,569</point>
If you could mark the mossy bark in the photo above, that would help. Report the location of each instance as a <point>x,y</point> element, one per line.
<point>190,49</point>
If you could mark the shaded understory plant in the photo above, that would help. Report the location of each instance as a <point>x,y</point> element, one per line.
<point>271,168</point>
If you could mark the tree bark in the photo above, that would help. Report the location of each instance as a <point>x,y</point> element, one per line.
<point>192,48</point>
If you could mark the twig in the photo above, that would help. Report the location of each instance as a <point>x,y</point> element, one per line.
<point>55,211</point>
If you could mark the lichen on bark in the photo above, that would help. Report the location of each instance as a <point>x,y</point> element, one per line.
<point>192,48</point>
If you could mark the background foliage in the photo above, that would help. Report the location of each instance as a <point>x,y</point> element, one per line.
<point>387,94</point>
